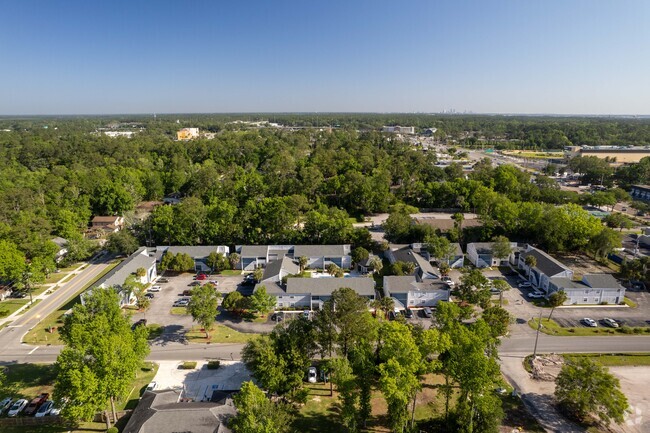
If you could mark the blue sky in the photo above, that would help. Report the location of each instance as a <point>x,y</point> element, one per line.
<point>517,56</point>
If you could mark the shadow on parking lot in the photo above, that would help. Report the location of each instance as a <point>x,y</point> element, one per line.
<point>171,334</point>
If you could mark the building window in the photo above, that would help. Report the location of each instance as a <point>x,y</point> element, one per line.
<point>585,299</point>
<point>293,304</point>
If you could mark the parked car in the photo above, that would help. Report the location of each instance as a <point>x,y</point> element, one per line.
<point>311,375</point>
<point>535,295</point>
<point>187,292</point>
<point>610,322</point>
<point>194,284</point>
<point>202,277</point>
<point>149,295</point>
<point>589,322</point>
<point>17,407</point>
<point>45,409</point>
<point>5,404</point>
<point>181,303</point>
<point>35,404</point>
<point>141,322</point>
<point>249,279</point>
<point>215,282</point>
<point>18,294</point>
<point>56,410</point>
<point>448,281</point>
<point>427,312</point>
<point>408,313</point>
<point>154,289</point>
<point>392,315</point>
<point>525,285</point>
<point>152,386</point>
<point>162,280</point>
<point>305,314</point>
<point>277,317</point>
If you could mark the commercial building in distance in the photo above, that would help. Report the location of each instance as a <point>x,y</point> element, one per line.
<point>399,129</point>
<point>187,134</point>
<point>617,155</point>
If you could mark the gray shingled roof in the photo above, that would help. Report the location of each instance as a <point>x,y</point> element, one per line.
<point>545,263</point>
<point>321,250</point>
<point>159,412</point>
<point>253,250</point>
<point>273,268</point>
<point>404,284</point>
<point>197,252</point>
<point>565,283</point>
<point>483,247</point>
<point>117,275</point>
<point>271,287</point>
<point>601,281</point>
<point>325,286</point>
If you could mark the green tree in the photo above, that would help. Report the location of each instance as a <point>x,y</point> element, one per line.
<point>100,357</point>
<point>617,220</point>
<point>332,269</point>
<point>498,319</point>
<point>261,301</point>
<point>258,274</point>
<point>398,226</point>
<point>344,379</point>
<point>584,387</point>
<point>203,306</point>
<point>605,242</point>
<point>233,301</point>
<point>350,318</point>
<point>441,249</point>
<point>217,262</point>
<point>12,261</point>
<point>122,242</point>
<point>183,262</point>
<point>474,287</point>
<point>376,264</point>
<point>234,258</point>
<point>302,261</point>
<point>359,254</point>
<point>555,300</point>
<point>531,262</point>
<point>258,414</point>
<point>167,261</point>
<point>501,248</point>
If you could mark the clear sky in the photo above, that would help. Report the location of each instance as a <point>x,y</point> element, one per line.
<point>136,56</point>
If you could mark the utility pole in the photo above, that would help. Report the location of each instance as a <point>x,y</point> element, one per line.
<point>539,326</point>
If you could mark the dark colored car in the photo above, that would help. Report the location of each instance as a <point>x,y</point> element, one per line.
<point>187,292</point>
<point>149,295</point>
<point>141,322</point>
<point>408,313</point>
<point>18,294</point>
<point>33,405</point>
<point>162,280</point>
<point>195,283</point>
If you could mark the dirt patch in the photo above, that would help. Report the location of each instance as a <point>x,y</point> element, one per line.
<point>581,264</point>
<point>547,367</point>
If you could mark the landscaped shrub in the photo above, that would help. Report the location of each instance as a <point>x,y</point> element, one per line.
<point>187,365</point>
<point>626,330</point>
<point>112,430</point>
<point>4,312</point>
<point>213,365</point>
<point>638,330</point>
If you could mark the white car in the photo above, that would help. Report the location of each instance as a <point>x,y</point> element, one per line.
<point>152,386</point>
<point>154,289</point>
<point>448,281</point>
<point>589,322</point>
<point>525,285</point>
<point>610,322</point>
<point>535,295</point>
<point>311,375</point>
<point>17,407</point>
<point>45,409</point>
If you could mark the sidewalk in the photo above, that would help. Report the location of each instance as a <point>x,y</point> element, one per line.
<point>49,289</point>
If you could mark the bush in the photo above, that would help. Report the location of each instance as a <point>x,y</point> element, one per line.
<point>213,365</point>
<point>638,330</point>
<point>112,430</point>
<point>626,330</point>
<point>187,365</point>
<point>4,312</point>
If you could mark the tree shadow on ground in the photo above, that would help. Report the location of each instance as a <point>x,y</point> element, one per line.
<point>170,334</point>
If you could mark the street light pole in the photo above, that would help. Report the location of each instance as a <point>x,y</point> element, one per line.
<point>539,326</point>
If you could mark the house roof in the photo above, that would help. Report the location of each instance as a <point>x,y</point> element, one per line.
<point>271,287</point>
<point>565,283</point>
<point>197,252</point>
<point>160,412</point>
<point>601,281</point>
<point>367,261</point>
<point>106,219</point>
<point>326,285</point>
<point>253,250</point>
<point>545,263</point>
<point>274,268</point>
<point>458,250</point>
<point>321,250</point>
<point>483,247</point>
<point>117,275</point>
<point>404,284</point>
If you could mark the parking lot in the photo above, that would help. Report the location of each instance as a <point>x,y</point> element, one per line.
<point>159,311</point>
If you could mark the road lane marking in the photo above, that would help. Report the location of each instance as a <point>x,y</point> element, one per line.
<point>33,350</point>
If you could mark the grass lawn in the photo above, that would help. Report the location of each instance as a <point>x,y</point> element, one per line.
<point>40,334</point>
<point>55,278</point>
<point>229,273</point>
<point>9,306</point>
<point>615,359</point>
<point>155,330</point>
<point>218,334</point>
<point>630,303</point>
<point>179,311</point>
<point>551,327</point>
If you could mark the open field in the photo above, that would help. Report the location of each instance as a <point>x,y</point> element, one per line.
<point>218,334</point>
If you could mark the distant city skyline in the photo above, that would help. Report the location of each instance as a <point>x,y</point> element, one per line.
<point>577,57</point>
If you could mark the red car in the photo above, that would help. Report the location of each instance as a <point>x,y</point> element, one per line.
<point>201,277</point>
<point>33,405</point>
